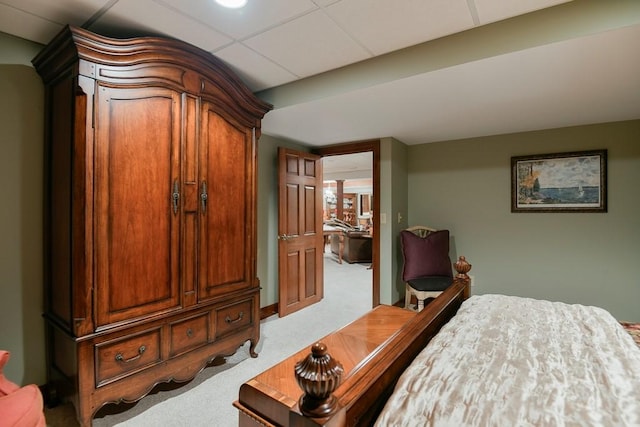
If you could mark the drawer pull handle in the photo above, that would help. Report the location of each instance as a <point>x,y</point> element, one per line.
<point>120,358</point>
<point>189,332</point>
<point>229,320</point>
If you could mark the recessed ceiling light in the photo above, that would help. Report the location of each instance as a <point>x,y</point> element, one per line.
<point>232,4</point>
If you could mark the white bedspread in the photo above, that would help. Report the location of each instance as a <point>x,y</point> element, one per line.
<point>510,361</point>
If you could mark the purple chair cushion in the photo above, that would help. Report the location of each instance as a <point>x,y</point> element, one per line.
<point>431,283</point>
<point>428,256</point>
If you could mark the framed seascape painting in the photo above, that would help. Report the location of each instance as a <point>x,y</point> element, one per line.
<point>560,182</point>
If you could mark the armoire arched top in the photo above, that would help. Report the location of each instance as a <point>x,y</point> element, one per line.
<point>151,61</point>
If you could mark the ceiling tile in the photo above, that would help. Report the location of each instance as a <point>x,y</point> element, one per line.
<point>383,26</point>
<point>308,45</point>
<point>497,10</point>
<point>246,62</point>
<point>74,12</point>
<point>41,20</point>
<point>324,3</point>
<point>27,26</point>
<point>347,166</point>
<point>150,16</point>
<point>255,17</point>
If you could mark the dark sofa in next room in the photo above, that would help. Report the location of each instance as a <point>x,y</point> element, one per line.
<point>357,246</point>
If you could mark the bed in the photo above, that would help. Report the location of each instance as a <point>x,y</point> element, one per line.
<point>490,360</point>
<point>505,360</point>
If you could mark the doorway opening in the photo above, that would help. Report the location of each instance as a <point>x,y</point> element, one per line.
<point>350,195</point>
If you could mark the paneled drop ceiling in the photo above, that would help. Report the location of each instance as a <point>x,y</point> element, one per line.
<point>416,70</point>
<point>348,166</point>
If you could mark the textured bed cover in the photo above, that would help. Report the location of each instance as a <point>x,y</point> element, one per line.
<point>511,361</point>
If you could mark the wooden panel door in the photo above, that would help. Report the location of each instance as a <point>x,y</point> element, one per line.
<point>300,235</point>
<point>227,206</point>
<point>136,246</point>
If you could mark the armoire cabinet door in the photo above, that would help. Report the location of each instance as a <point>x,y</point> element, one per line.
<point>137,192</point>
<point>226,220</point>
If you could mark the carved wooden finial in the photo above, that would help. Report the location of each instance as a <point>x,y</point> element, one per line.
<point>462,267</point>
<point>318,375</point>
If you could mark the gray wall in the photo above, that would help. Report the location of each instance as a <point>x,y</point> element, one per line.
<point>393,205</point>
<point>21,324</point>
<point>17,51</point>
<point>586,258</point>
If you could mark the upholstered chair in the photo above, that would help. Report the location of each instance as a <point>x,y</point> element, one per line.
<point>19,406</point>
<point>427,270</point>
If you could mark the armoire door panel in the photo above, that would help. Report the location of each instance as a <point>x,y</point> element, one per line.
<point>136,176</point>
<point>224,244</point>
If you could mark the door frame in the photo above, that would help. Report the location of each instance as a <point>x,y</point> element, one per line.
<point>372,146</point>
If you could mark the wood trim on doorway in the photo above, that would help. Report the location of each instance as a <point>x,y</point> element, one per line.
<point>363,147</point>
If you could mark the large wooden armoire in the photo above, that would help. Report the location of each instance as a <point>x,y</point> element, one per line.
<point>150,214</point>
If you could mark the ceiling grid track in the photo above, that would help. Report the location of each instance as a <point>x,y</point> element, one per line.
<point>473,10</point>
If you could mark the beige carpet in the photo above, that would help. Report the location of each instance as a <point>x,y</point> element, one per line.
<point>207,400</point>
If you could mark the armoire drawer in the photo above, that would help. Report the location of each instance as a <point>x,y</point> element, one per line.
<point>127,355</point>
<point>232,317</point>
<point>189,334</point>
